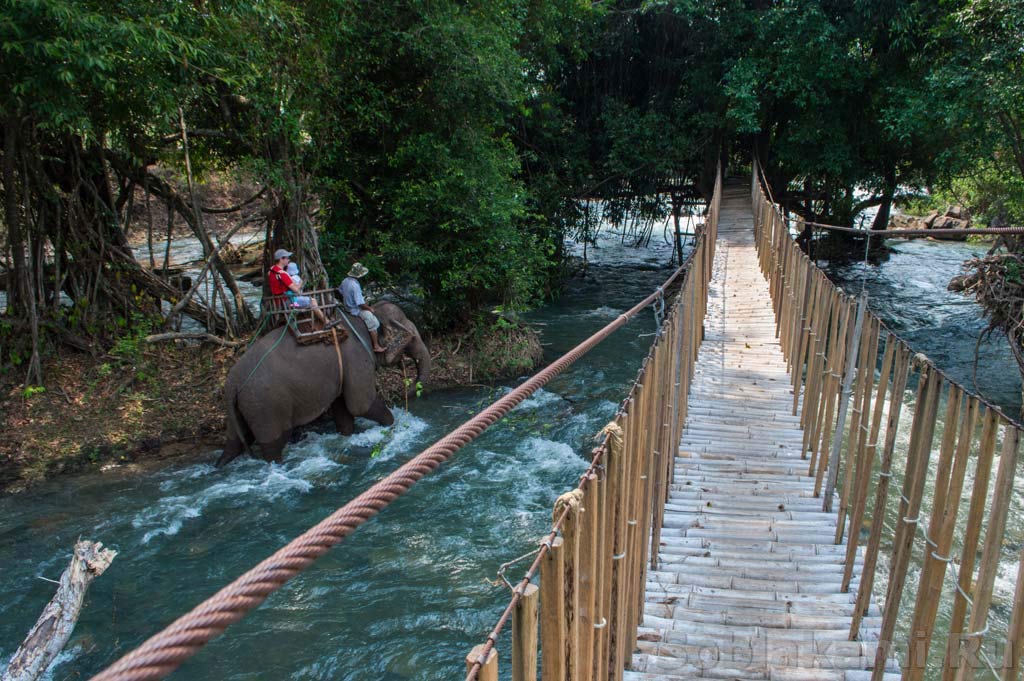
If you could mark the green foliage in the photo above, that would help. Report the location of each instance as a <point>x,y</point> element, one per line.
<point>30,391</point>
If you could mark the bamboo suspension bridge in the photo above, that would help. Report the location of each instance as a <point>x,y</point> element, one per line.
<point>717,533</point>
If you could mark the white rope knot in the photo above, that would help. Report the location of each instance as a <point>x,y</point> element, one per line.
<point>572,500</point>
<point>602,625</point>
<point>912,521</point>
<point>613,433</point>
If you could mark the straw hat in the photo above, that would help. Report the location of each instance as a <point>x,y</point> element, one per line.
<point>358,270</point>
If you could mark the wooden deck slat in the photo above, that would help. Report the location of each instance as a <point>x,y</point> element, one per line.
<point>748,585</point>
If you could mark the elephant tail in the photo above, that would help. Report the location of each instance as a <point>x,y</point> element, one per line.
<point>239,434</point>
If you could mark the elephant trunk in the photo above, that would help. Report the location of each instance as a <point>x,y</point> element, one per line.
<point>421,355</point>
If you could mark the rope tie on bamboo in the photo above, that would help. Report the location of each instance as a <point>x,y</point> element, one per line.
<point>884,474</point>
<point>572,500</point>
<point>619,556</point>
<point>659,307</point>
<point>602,624</point>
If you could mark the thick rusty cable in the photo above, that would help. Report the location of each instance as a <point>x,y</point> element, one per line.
<point>595,463</point>
<point>166,650</point>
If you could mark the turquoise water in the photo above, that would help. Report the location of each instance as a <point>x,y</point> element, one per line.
<point>406,596</point>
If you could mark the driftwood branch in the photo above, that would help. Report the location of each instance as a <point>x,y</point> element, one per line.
<point>53,628</point>
<point>197,335</point>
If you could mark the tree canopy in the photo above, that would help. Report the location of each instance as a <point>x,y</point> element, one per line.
<point>452,145</point>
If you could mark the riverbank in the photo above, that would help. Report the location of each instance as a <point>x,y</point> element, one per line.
<point>165,401</point>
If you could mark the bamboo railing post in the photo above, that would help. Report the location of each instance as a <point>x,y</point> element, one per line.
<point>571,589</point>
<point>813,396</point>
<point>587,583</point>
<point>852,355</point>
<point>552,612</point>
<point>489,669</point>
<point>930,580</point>
<point>524,636</point>
<point>836,355</point>
<point>617,473</point>
<point>866,464</point>
<point>857,439</point>
<point>972,534</point>
<point>918,454</point>
<point>867,577</point>
<point>815,359</point>
<point>801,367</point>
<point>603,573</point>
<point>1015,633</point>
<point>989,566</point>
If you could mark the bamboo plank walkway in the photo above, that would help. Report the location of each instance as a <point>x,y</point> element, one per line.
<point>748,585</point>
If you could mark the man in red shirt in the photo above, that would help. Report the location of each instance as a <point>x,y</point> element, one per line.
<point>283,285</point>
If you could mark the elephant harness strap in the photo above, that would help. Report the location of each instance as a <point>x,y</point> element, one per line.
<point>337,351</point>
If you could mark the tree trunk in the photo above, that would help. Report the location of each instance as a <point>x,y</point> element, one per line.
<point>53,628</point>
<point>885,207</point>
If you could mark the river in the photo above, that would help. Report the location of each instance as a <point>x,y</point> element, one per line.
<point>407,595</point>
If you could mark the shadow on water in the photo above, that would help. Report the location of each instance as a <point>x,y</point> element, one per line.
<point>407,595</point>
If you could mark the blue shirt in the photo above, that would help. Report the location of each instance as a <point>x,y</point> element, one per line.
<point>352,295</point>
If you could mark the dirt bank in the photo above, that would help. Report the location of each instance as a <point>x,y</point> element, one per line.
<point>160,401</point>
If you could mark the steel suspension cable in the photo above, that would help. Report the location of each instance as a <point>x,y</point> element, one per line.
<point>167,650</point>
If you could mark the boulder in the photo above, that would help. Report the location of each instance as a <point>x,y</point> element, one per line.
<point>948,222</point>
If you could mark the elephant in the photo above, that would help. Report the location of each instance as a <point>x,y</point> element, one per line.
<point>279,384</point>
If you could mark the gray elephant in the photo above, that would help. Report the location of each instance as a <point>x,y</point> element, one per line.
<point>279,384</point>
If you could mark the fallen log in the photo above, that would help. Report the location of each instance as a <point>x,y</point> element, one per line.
<point>196,335</point>
<point>53,628</point>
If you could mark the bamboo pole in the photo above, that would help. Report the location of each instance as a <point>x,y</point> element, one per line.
<point>853,354</point>
<point>972,534</point>
<point>989,566</point>
<point>857,438</point>
<point>802,366</point>
<point>617,472</point>
<point>866,464</point>
<point>837,353</point>
<point>930,580</point>
<point>587,582</point>
<point>524,636</point>
<point>571,532</point>
<point>918,455</point>
<point>489,669</point>
<point>815,361</point>
<point>552,612</point>
<point>827,317</point>
<point>867,577</point>
<point>1015,634</point>
<point>602,591</point>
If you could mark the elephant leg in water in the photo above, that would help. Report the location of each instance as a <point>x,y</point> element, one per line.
<point>273,450</point>
<point>345,422</point>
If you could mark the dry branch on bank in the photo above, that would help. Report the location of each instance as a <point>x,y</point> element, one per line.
<point>54,626</point>
<point>198,335</point>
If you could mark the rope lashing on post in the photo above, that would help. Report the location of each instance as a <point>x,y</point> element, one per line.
<point>659,307</point>
<point>165,651</point>
<point>567,503</point>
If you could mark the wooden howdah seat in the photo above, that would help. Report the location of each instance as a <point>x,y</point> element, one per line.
<point>301,321</point>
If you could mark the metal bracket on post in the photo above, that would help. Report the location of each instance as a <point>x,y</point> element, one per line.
<point>844,403</point>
